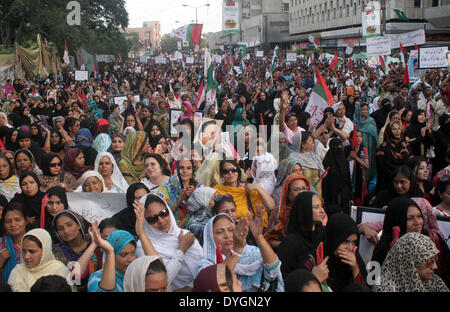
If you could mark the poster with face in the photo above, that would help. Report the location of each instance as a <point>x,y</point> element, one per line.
<point>208,133</point>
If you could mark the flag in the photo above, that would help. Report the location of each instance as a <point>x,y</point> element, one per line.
<point>273,65</point>
<point>350,63</point>
<point>227,58</point>
<point>383,65</point>
<point>406,76</point>
<point>320,99</point>
<point>334,62</point>
<point>120,58</point>
<point>66,53</point>
<point>354,138</point>
<point>191,33</point>
<point>401,15</point>
<point>200,95</point>
<point>244,68</point>
<point>314,41</point>
<point>211,83</point>
<point>242,49</point>
<point>402,48</point>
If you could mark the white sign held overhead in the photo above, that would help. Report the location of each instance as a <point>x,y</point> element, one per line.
<point>95,206</point>
<point>378,46</point>
<point>259,53</point>
<point>348,50</point>
<point>291,57</point>
<point>81,75</point>
<point>408,39</point>
<point>217,59</point>
<point>433,57</point>
<point>189,60</point>
<point>160,60</point>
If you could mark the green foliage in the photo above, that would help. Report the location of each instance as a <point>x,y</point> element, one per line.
<point>101,20</point>
<point>169,44</point>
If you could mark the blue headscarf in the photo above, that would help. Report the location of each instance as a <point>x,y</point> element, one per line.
<point>84,138</point>
<point>118,240</point>
<point>102,142</point>
<point>12,261</point>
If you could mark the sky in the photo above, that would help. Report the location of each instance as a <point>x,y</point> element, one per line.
<point>167,12</point>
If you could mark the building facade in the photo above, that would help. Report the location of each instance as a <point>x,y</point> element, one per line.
<point>149,37</point>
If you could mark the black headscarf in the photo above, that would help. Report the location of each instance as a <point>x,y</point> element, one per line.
<point>396,215</point>
<point>126,218</point>
<point>414,128</point>
<point>35,148</point>
<point>299,245</point>
<point>45,164</point>
<point>339,227</point>
<point>298,279</point>
<point>32,204</point>
<point>38,138</point>
<point>302,119</point>
<point>9,144</point>
<point>56,148</point>
<point>155,140</point>
<point>61,194</point>
<point>325,111</point>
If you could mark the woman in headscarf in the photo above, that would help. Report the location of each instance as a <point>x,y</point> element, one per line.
<point>126,218</point>
<point>15,223</point>
<point>118,141</point>
<point>311,164</point>
<point>84,142</point>
<point>178,248</point>
<point>304,233</point>
<point>302,280</point>
<point>92,111</point>
<point>92,182</point>
<point>4,120</point>
<point>393,153</point>
<point>53,175</point>
<point>11,142</point>
<point>374,106</point>
<point>119,247</point>
<point>162,116</point>
<point>74,162</point>
<point>392,116</point>
<point>73,241</point>
<point>418,133</point>
<point>57,143</point>
<point>442,140</point>
<point>9,182</point>
<point>102,143</point>
<point>55,202</point>
<point>257,266</point>
<point>345,265</point>
<point>240,118</point>
<point>293,185</point>
<point>380,115</point>
<point>24,141</point>
<point>132,163</point>
<point>177,191</point>
<point>36,250</point>
<point>107,167</point>
<point>36,135</point>
<point>283,148</point>
<point>146,274</point>
<point>304,120</point>
<point>368,128</point>
<point>186,107</point>
<point>20,116</point>
<point>403,215</point>
<point>264,111</point>
<point>217,278</point>
<point>200,204</point>
<point>338,174</point>
<point>31,196</point>
<point>115,119</point>
<point>410,265</point>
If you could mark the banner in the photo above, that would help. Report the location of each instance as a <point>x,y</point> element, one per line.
<point>189,60</point>
<point>96,206</point>
<point>413,66</point>
<point>433,57</point>
<point>259,53</point>
<point>371,24</point>
<point>81,75</point>
<point>291,57</point>
<point>408,39</point>
<point>217,59</point>
<point>378,46</point>
<point>230,17</point>
<point>160,60</point>
<point>119,101</point>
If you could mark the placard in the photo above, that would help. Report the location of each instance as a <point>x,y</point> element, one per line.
<point>160,60</point>
<point>96,206</point>
<point>119,101</point>
<point>217,59</point>
<point>230,17</point>
<point>237,69</point>
<point>348,50</point>
<point>81,75</point>
<point>378,46</point>
<point>291,57</point>
<point>174,115</point>
<point>371,24</point>
<point>433,57</point>
<point>189,60</point>
<point>408,39</point>
<point>367,214</point>
<point>444,226</point>
<point>413,66</point>
<point>259,53</point>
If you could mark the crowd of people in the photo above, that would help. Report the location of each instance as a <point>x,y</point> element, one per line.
<point>205,215</point>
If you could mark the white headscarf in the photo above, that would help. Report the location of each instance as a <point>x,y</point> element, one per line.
<point>117,177</point>
<point>127,130</point>
<point>166,244</point>
<point>134,278</point>
<point>23,278</point>
<point>6,118</point>
<point>89,174</point>
<point>374,106</point>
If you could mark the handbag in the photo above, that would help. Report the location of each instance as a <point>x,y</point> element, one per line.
<point>272,286</point>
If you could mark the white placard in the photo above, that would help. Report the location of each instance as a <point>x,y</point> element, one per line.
<point>378,46</point>
<point>160,60</point>
<point>444,226</point>
<point>348,50</point>
<point>174,116</point>
<point>96,206</point>
<point>81,75</point>
<point>138,69</point>
<point>408,39</point>
<point>371,23</point>
<point>259,53</point>
<point>237,69</point>
<point>433,57</point>
<point>291,57</point>
<point>217,59</point>
<point>230,17</point>
<point>178,55</point>
<point>189,60</point>
<point>119,101</point>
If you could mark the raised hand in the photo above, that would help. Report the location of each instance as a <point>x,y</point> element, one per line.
<point>256,223</point>
<point>139,211</point>
<point>321,271</point>
<point>240,234</point>
<point>185,241</point>
<point>99,241</point>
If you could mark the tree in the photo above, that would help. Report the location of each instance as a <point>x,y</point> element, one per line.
<point>169,44</point>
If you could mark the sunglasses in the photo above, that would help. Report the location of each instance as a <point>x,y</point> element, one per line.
<point>55,165</point>
<point>154,218</point>
<point>227,171</point>
<point>219,198</point>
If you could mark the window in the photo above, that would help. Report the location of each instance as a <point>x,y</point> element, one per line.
<point>435,3</point>
<point>285,7</point>
<point>417,3</point>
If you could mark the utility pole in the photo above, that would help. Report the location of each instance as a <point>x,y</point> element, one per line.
<point>383,17</point>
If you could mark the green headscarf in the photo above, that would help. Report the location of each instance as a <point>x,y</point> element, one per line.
<point>238,120</point>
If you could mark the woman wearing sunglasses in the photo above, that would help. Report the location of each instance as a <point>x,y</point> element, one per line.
<point>178,248</point>
<point>53,174</point>
<point>246,196</point>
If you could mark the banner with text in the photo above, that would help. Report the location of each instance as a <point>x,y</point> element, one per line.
<point>96,206</point>
<point>230,17</point>
<point>378,46</point>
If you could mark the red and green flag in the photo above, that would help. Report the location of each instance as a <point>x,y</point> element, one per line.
<point>383,64</point>
<point>191,33</point>
<point>334,62</point>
